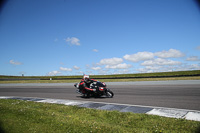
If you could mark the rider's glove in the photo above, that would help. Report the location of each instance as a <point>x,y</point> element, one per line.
<point>94,89</point>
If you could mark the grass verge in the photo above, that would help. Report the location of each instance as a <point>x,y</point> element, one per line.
<point>103,80</point>
<point>24,116</point>
<point>177,75</point>
<point>114,76</point>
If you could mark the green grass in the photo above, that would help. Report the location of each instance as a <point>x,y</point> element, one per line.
<point>180,75</point>
<point>18,116</point>
<point>103,80</point>
<point>139,75</point>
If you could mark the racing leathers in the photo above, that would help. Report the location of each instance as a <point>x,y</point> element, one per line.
<point>84,86</point>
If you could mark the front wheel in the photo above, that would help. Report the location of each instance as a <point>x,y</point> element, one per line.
<point>109,94</point>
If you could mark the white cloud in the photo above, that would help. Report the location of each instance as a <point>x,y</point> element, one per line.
<point>65,69</point>
<point>140,56</point>
<point>73,41</point>
<point>122,71</point>
<point>143,56</point>
<point>95,50</point>
<point>187,67</point>
<point>77,68</point>
<point>150,69</point>
<point>103,72</point>
<point>96,68</point>
<point>172,53</point>
<point>111,61</point>
<point>80,72</point>
<point>153,68</point>
<point>168,68</point>
<point>152,62</point>
<point>160,62</point>
<point>193,58</point>
<point>15,62</point>
<point>53,73</point>
<point>119,66</point>
<point>194,67</point>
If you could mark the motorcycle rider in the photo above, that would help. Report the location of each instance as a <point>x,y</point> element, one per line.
<point>84,85</point>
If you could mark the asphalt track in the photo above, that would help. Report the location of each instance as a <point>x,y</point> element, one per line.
<point>170,94</point>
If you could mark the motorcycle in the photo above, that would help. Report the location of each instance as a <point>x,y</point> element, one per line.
<point>101,90</point>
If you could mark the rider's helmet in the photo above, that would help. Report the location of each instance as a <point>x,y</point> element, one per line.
<point>86,78</point>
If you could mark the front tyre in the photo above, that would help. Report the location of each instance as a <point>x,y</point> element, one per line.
<point>109,94</point>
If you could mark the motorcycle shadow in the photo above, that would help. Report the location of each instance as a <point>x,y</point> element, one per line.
<point>92,97</point>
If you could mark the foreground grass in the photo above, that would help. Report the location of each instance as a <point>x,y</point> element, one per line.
<point>24,116</point>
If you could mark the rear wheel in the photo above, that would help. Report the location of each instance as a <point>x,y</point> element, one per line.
<point>109,94</point>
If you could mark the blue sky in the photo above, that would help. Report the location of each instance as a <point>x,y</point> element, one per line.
<point>72,37</point>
